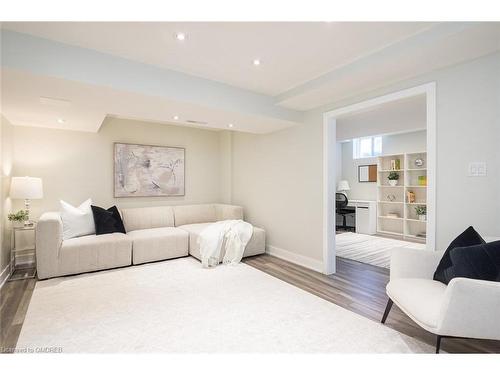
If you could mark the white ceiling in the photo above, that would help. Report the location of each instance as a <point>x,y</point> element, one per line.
<point>443,45</point>
<point>84,106</point>
<point>291,52</point>
<point>304,66</point>
<point>400,116</point>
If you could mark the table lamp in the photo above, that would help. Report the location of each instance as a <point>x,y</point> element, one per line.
<point>26,188</point>
<point>343,187</point>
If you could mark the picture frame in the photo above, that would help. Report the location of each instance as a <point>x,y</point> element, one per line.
<point>367,173</point>
<point>141,170</point>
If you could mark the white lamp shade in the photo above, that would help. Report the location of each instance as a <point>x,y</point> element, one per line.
<point>343,185</point>
<point>26,188</point>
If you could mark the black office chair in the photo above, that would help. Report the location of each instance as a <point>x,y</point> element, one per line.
<point>343,210</point>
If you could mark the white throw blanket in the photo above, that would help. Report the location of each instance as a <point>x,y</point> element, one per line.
<point>236,234</point>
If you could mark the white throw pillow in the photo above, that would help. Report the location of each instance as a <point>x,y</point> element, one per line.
<point>77,221</point>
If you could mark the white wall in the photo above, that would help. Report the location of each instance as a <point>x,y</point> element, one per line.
<point>225,164</point>
<point>391,144</point>
<point>77,165</point>
<point>6,139</point>
<point>278,177</point>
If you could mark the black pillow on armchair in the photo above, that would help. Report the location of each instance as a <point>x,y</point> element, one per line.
<point>444,271</point>
<point>477,262</point>
<point>107,221</point>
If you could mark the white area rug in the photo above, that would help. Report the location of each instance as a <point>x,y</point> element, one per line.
<point>370,249</point>
<point>176,306</point>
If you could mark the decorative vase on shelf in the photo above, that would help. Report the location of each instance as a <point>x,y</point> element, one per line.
<point>393,178</point>
<point>421,212</point>
<point>410,196</point>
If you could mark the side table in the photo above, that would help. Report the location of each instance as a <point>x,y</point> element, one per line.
<point>23,253</point>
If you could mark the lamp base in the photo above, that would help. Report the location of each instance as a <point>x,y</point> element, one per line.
<point>27,222</point>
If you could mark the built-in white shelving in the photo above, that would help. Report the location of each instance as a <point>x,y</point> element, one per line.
<point>393,200</point>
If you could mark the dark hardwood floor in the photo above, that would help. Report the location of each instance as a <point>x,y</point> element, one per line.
<point>14,300</point>
<point>356,286</point>
<point>360,288</point>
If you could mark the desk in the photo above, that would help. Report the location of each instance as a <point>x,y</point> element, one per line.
<point>365,214</point>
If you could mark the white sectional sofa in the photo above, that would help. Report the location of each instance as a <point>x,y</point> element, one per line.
<point>153,234</point>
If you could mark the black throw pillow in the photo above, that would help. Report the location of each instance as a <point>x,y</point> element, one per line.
<point>477,262</point>
<point>444,271</point>
<point>119,223</point>
<point>107,221</point>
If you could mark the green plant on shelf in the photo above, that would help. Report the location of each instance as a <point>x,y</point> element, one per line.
<point>393,176</point>
<point>421,210</point>
<point>18,216</point>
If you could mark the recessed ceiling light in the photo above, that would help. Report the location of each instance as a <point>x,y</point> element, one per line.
<point>256,62</point>
<point>230,125</point>
<point>176,117</point>
<point>180,36</point>
<point>60,121</point>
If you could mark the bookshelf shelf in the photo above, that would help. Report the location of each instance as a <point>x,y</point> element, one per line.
<point>407,224</point>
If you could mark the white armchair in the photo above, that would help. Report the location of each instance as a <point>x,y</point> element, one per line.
<point>464,308</point>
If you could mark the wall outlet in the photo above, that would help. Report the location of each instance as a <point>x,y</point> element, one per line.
<point>477,169</point>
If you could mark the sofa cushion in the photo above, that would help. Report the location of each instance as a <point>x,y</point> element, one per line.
<point>480,262</point>
<point>154,244</point>
<point>256,245</point>
<point>444,272</point>
<point>420,299</point>
<point>199,213</point>
<point>147,217</point>
<point>92,253</point>
<point>228,212</point>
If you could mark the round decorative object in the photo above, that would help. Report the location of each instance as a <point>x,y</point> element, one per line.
<point>419,162</point>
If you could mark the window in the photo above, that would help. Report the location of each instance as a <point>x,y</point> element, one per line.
<point>366,147</point>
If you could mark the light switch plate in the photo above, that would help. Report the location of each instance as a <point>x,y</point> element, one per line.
<point>477,169</point>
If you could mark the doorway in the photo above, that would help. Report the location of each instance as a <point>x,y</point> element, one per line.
<point>409,227</point>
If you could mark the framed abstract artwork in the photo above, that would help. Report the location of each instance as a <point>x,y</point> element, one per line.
<point>367,173</point>
<point>148,171</point>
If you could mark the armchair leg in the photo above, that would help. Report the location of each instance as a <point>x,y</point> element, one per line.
<point>438,343</point>
<point>387,309</point>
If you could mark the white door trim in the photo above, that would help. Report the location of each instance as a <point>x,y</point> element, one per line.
<point>329,165</point>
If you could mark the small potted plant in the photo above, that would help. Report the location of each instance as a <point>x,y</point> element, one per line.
<point>421,212</point>
<point>18,217</point>
<point>393,178</point>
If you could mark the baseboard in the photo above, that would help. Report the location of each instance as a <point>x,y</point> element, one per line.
<point>301,260</point>
<point>4,275</point>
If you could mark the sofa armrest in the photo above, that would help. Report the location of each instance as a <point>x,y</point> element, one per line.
<point>414,263</point>
<point>470,309</point>
<point>228,212</point>
<point>49,237</point>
